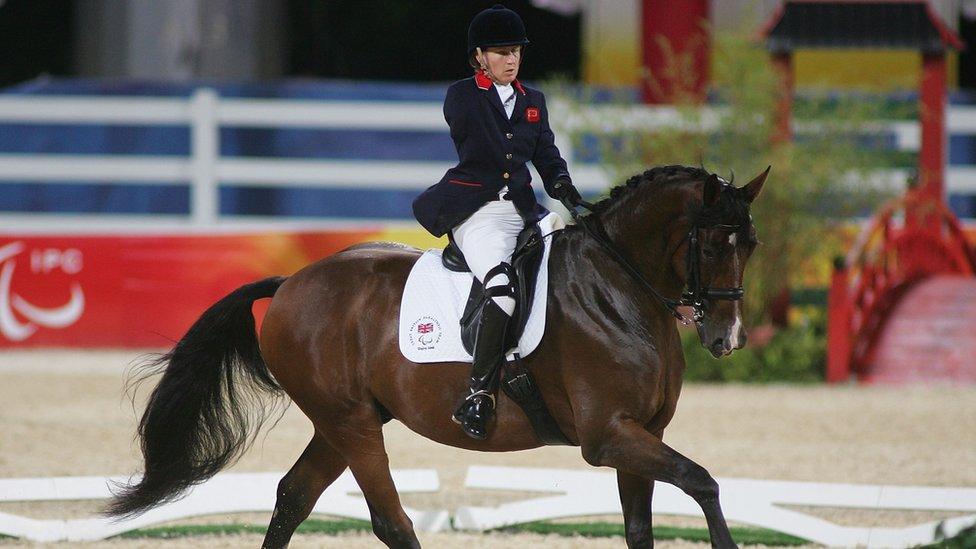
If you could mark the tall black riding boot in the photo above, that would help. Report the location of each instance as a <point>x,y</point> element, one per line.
<point>489,354</point>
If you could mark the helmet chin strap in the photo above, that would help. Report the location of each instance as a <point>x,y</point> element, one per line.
<point>484,66</point>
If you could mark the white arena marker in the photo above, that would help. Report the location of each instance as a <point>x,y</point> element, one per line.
<point>582,493</point>
<point>225,493</point>
<point>573,493</point>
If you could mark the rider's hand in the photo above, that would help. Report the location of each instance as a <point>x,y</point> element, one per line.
<point>564,191</point>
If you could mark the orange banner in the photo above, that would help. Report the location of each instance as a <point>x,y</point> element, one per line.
<point>140,291</point>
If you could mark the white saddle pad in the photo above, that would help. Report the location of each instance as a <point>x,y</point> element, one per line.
<point>433,302</point>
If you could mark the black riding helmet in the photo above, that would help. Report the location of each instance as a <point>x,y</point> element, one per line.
<point>496,26</point>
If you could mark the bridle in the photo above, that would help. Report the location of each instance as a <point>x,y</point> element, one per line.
<point>696,294</point>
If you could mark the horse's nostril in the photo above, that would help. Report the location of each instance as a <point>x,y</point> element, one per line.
<point>717,348</point>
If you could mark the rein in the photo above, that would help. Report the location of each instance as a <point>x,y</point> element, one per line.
<point>695,294</point>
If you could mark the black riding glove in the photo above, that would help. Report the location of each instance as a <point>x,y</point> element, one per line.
<point>564,191</point>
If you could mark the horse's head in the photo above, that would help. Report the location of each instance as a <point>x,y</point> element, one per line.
<point>718,240</point>
<point>691,233</point>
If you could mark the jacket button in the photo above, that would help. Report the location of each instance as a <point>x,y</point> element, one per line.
<point>508,156</point>
<point>505,175</point>
<point>509,135</point>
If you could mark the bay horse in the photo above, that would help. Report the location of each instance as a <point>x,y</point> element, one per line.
<point>609,366</point>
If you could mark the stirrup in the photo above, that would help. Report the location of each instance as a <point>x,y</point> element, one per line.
<point>482,392</point>
<point>454,416</point>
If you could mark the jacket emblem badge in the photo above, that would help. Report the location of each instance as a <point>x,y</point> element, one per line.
<point>532,114</point>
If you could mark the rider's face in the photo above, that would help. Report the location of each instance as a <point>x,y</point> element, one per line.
<point>503,62</point>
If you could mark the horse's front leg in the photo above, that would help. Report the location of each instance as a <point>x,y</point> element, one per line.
<point>636,493</point>
<point>628,447</point>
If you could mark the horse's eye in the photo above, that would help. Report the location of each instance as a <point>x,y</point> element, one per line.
<point>709,252</point>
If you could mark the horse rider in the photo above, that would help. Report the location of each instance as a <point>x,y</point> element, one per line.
<point>497,124</point>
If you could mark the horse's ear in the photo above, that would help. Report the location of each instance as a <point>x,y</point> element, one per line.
<point>713,187</point>
<point>751,190</point>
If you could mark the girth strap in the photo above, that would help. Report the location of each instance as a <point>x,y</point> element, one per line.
<point>520,386</point>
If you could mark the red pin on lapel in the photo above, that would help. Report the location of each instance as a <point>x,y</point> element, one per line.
<point>532,114</point>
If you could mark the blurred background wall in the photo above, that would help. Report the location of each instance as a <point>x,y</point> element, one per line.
<point>597,40</point>
<point>390,50</point>
<point>302,126</point>
<point>178,39</point>
<point>422,40</point>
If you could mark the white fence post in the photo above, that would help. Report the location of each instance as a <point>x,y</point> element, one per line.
<point>205,151</point>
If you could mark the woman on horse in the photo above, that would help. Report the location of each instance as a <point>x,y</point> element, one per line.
<point>497,125</point>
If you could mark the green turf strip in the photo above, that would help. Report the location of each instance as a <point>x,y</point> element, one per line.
<point>311,526</point>
<point>745,536</point>
<point>750,536</point>
<point>588,529</point>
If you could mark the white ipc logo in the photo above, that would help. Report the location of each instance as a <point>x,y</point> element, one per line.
<point>41,262</point>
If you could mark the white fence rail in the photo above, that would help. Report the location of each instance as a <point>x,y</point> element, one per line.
<point>205,113</point>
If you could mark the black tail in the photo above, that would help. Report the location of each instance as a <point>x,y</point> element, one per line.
<point>199,418</point>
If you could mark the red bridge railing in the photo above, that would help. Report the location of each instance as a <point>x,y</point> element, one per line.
<point>907,240</point>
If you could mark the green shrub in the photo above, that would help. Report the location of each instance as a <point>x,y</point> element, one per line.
<point>796,354</point>
<point>818,180</point>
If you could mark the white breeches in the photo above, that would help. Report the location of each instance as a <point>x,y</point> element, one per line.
<point>486,239</point>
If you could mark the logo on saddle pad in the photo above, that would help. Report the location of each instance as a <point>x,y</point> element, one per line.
<point>425,332</point>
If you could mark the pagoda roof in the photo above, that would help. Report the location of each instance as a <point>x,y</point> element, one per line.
<point>884,24</point>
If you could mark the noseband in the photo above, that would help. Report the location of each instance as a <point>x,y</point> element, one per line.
<point>696,294</point>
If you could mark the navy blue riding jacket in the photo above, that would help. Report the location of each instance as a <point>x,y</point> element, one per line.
<point>492,152</point>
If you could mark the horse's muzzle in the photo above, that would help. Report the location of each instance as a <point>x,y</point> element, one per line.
<point>723,346</point>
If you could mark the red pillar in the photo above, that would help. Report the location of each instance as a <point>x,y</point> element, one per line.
<point>932,106</point>
<point>839,337</point>
<point>675,31</point>
<point>783,64</point>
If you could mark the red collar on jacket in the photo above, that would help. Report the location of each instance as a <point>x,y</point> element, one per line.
<point>483,82</point>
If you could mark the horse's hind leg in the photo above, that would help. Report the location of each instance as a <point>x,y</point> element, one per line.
<point>361,436</point>
<point>390,523</point>
<point>317,468</point>
<point>628,447</point>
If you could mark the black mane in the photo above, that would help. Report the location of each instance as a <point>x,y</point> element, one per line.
<point>729,207</point>
<point>658,176</point>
